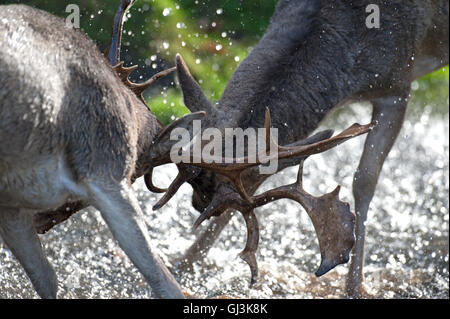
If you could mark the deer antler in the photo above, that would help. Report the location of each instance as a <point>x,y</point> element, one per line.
<point>139,88</point>
<point>185,174</point>
<point>332,218</point>
<point>113,54</point>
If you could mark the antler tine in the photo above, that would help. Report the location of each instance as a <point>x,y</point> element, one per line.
<point>249,253</point>
<point>173,189</point>
<point>139,88</point>
<point>113,50</point>
<point>123,72</point>
<point>300,176</point>
<point>234,170</point>
<point>210,211</point>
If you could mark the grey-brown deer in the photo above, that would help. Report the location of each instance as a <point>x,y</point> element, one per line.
<point>74,132</point>
<point>315,56</point>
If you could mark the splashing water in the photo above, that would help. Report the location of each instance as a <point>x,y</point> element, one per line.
<point>407,241</point>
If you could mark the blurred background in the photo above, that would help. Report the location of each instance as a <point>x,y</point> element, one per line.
<point>213,36</point>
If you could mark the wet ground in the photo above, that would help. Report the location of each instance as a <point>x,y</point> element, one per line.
<point>407,243</point>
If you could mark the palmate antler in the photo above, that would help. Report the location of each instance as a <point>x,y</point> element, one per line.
<point>113,50</point>
<point>332,218</point>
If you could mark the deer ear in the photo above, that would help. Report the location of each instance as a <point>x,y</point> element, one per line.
<point>162,145</point>
<point>194,98</point>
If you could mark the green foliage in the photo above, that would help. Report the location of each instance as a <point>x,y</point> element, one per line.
<point>212,35</point>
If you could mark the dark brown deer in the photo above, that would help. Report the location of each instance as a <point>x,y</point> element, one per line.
<point>315,56</point>
<point>74,132</point>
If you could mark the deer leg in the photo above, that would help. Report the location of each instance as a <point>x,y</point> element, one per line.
<point>388,115</point>
<point>120,209</point>
<point>17,230</point>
